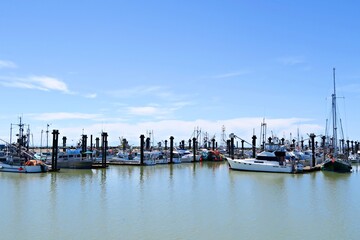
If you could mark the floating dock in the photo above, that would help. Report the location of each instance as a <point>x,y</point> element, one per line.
<point>312,169</point>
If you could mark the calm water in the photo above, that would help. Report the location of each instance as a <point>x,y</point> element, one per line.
<point>184,201</point>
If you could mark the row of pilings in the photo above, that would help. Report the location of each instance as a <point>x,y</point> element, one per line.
<point>192,144</point>
<point>104,147</point>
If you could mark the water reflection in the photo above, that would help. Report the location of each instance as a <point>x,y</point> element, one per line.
<point>180,201</point>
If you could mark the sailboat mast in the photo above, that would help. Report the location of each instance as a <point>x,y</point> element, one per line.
<point>334,117</point>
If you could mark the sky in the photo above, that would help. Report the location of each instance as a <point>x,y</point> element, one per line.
<point>172,68</point>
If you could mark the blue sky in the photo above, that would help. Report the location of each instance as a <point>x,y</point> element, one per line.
<point>169,67</point>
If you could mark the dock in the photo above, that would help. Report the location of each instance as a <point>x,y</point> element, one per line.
<point>312,169</point>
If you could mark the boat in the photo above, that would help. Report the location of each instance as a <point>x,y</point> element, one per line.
<point>334,161</point>
<point>211,155</point>
<point>133,158</point>
<point>17,158</point>
<point>30,166</point>
<point>73,158</point>
<point>354,157</point>
<point>269,160</point>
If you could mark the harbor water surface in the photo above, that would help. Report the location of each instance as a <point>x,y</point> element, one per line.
<point>182,201</point>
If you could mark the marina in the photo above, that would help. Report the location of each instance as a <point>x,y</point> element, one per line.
<point>271,189</point>
<point>179,120</point>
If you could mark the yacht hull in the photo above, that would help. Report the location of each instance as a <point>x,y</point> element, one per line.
<point>255,165</point>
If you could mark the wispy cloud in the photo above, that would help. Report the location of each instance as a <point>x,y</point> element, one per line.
<point>144,111</point>
<point>291,60</point>
<point>157,111</point>
<point>353,88</point>
<point>138,91</point>
<point>43,83</point>
<point>90,95</point>
<point>230,74</point>
<point>7,64</point>
<point>64,116</point>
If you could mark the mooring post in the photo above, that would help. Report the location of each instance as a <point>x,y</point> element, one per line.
<point>254,145</point>
<point>356,147</point>
<point>142,137</point>
<point>83,145</point>
<point>194,149</point>
<point>171,149</point>
<point>97,144</point>
<point>242,148</point>
<point>312,137</point>
<point>91,142</point>
<point>147,144</point>
<point>232,146</point>
<point>54,156</point>
<point>228,147</point>
<point>103,148</point>
<point>64,143</point>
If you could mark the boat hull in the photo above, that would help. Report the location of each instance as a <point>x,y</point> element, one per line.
<point>259,166</point>
<point>336,166</point>
<point>75,164</point>
<point>23,169</point>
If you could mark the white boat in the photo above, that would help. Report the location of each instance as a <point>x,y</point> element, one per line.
<point>252,164</point>
<point>266,161</point>
<point>176,157</point>
<point>189,157</point>
<point>124,157</point>
<point>354,157</point>
<point>31,166</point>
<point>133,159</point>
<point>72,158</point>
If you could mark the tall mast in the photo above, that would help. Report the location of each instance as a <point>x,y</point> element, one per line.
<point>334,117</point>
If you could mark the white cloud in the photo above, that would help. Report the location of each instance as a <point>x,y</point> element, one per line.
<point>63,116</point>
<point>179,129</point>
<point>230,75</point>
<point>143,110</point>
<point>90,95</point>
<point>49,83</point>
<point>7,64</point>
<point>43,83</point>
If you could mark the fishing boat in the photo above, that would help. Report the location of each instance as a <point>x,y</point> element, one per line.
<point>211,155</point>
<point>16,157</point>
<point>74,158</point>
<point>334,161</point>
<point>30,166</point>
<point>133,158</point>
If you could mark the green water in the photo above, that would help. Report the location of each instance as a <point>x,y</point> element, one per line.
<point>183,201</point>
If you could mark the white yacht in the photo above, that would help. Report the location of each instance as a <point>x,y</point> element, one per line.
<point>266,161</point>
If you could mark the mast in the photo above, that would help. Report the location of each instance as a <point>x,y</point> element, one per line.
<point>334,143</point>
